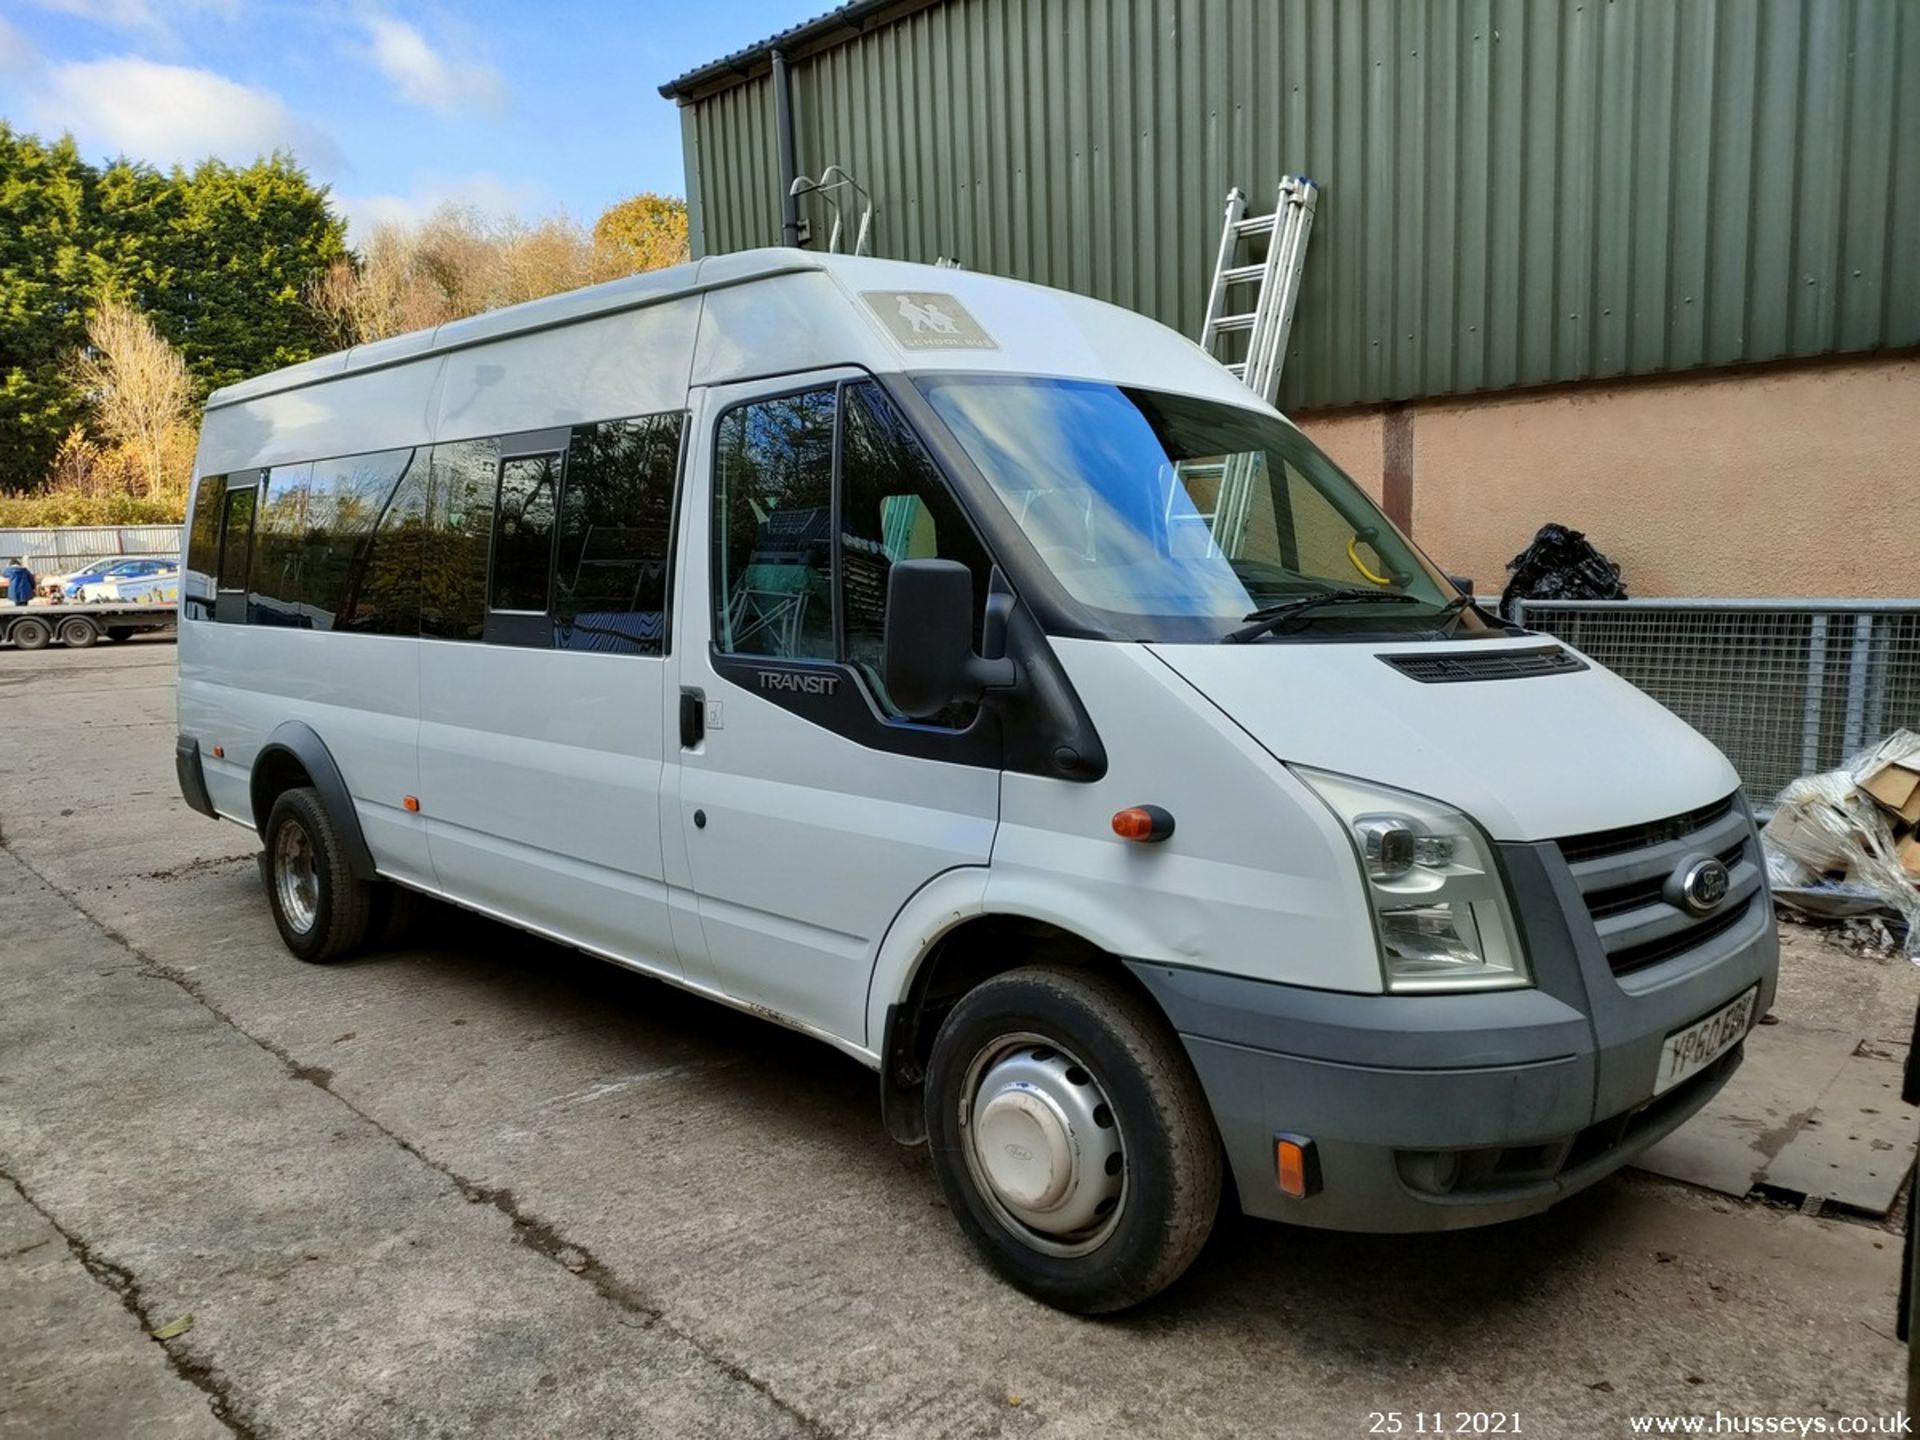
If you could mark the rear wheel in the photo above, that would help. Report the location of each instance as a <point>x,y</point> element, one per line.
<point>77,632</point>
<point>117,633</point>
<point>319,904</point>
<point>1071,1137</point>
<point>32,633</point>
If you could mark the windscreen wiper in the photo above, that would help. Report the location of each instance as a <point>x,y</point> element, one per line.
<point>1270,618</point>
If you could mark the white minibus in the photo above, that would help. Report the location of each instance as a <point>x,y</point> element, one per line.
<point>981,679</point>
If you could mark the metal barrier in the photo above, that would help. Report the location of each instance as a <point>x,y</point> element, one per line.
<point>57,547</point>
<point>1784,687</point>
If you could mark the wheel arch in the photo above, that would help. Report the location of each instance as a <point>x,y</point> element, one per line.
<point>294,755</point>
<point>945,941</point>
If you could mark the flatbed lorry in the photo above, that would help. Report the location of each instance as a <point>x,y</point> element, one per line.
<point>80,623</point>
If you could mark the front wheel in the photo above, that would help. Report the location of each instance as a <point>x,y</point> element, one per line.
<point>319,904</point>
<point>1071,1137</point>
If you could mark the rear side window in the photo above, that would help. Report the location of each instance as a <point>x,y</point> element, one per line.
<point>203,546</point>
<point>523,519</point>
<point>236,538</point>
<point>459,524</point>
<point>280,535</point>
<point>616,522</point>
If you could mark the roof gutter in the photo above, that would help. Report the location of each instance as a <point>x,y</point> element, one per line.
<point>843,23</point>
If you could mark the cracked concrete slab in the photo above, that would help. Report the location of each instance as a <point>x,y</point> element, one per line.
<point>504,1154</point>
<point>78,1360</point>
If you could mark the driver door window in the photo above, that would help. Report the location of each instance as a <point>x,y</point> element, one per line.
<point>806,532</point>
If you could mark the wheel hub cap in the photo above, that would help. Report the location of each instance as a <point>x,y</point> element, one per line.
<point>1043,1145</point>
<point>296,877</point>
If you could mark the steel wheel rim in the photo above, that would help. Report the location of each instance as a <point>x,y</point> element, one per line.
<point>296,876</point>
<point>1043,1145</point>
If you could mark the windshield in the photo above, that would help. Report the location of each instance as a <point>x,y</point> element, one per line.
<point>1179,518</point>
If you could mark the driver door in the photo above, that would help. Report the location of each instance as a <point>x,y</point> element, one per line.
<point>811,810</point>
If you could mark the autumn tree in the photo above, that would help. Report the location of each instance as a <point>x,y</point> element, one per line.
<point>140,395</point>
<point>648,231</point>
<point>458,262</point>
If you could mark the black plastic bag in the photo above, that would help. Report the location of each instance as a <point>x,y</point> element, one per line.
<point>1560,564</point>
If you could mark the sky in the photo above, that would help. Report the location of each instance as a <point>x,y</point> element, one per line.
<point>525,109</point>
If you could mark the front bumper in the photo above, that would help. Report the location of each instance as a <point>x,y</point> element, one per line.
<point>1432,1112</point>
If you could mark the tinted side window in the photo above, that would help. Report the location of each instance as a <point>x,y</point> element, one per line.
<point>523,533</point>
<point>772,518</point>
<point>383,589</point>
<point>280,536</point>
<point>459,523</point>
<point>894,506</point>
<point>203,546</point>
<point>616,519</point>
<point>236,538</point>
<point>344,499</point>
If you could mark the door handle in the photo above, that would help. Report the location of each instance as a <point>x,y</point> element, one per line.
<point>693,716</point>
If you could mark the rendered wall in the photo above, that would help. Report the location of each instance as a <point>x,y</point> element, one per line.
<point>1794,480</point>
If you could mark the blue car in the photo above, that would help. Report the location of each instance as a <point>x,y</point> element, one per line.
<point>113,570</point>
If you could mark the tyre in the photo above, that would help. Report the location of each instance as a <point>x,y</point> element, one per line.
<point>393,915</point>
<point>117,633</point>
<point>77,632</point>
<point>319,904</point>
<point>32,633</point>
<point>1071,1137</point>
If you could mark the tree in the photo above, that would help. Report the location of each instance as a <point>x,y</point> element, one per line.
<point>219,257</point>
<point>648,231</point>
<point>456,262</point>
<point>222,257</point>
<point>140,394</point>
<point>44,234</point>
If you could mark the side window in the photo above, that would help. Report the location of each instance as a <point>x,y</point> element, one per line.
<point>459,522</point>
<point>894,506</point>
<point>280,546</point>
<point>203,546</point>
<point>616,521</point>
<point>523,519</point>
<point>236,539</point>
<point>345,500</point>
<point>772,528</point>
<point>382,595</point>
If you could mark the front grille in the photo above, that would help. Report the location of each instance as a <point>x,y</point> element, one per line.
<point>1639,837</point>
<point>1447,669</point>
<point>1622,876</point>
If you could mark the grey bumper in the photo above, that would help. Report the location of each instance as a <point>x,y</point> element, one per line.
<point>1437,1112</point>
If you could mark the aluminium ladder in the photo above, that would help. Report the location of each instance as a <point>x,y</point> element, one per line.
<point>1267,322</point>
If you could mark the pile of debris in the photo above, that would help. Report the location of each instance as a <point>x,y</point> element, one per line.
<point>1845,845</point>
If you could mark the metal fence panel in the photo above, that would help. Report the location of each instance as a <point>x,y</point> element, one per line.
<point>1784,687</point>
<point>52,547</point>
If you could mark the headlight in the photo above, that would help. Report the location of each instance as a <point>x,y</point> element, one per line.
<point>1439,905</point>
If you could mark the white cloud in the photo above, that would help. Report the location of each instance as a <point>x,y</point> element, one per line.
<point>174,114</point>
<point>492,196</point>
<point>149,17</point>
<point>424,76</point>
<point>16,51</point>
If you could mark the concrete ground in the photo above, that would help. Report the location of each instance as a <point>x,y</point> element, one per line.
<point>490,1187</point>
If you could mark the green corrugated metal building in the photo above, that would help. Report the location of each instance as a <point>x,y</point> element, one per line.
<point>1514,192</point>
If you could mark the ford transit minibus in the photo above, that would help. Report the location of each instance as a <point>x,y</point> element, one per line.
<point>980,679</point>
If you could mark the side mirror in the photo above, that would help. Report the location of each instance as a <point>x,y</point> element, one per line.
<point>1462,583</point>
<point>928,661</point>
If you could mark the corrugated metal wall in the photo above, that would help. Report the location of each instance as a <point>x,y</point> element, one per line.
<point>1516,192</point>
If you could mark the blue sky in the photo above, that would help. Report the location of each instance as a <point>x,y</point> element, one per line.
<point>522,108</point>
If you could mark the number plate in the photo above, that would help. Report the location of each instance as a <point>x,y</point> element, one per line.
<point>1689,1051</point>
